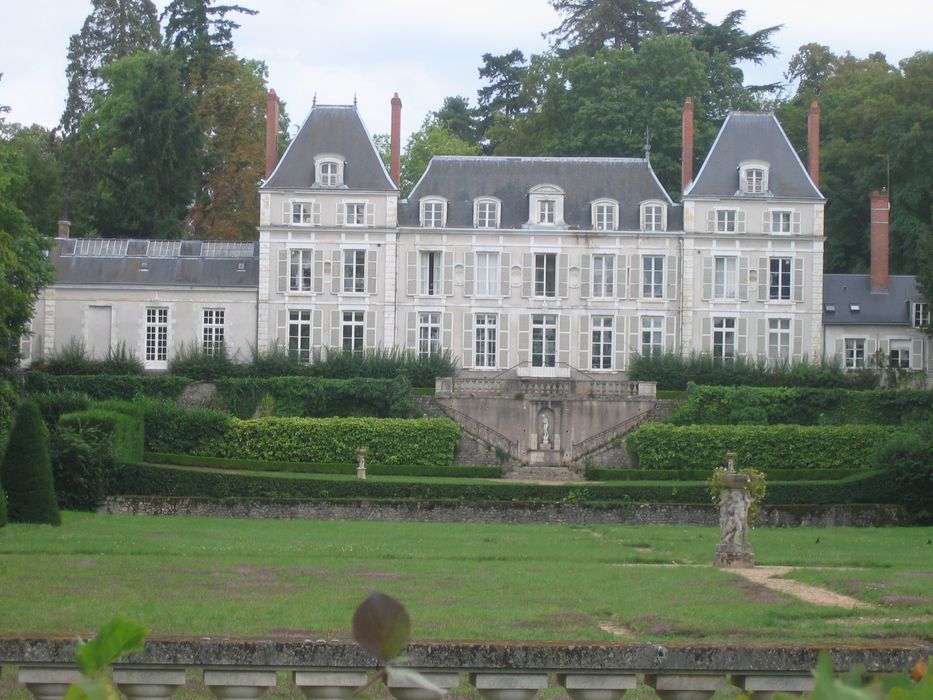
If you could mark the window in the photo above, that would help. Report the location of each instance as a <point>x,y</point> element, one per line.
<point>724,339</point>
<point>546,211</point>
<point>487,274</point>
<point>601,332</point>
<point>603,283</point>
<point>299,270</point>
<point>487,213</point>
<point>303,213</point>
<point>652,217</point>
<point>779,339</point>
<point>353,331</point>
<point>919,314</point>
<point>781,221</point>
<point>432,213</point>
<point>354,271</point>
<point>855,353</point>
<point>724,278</point>
<point>899,354</point>
<point>652,335</point>
<point>604,215</point>
<point>329,174</point>
<point>726,220</point>
<point>545,274</point>
<point>212,331</point>
<point>543,340</point>
<point>430,272</point>
<point>652,276</point>
<point>546,205</point>
<point>779,279</point>
<point>355,213</point>
<point>429,333</point>
<point>299,334</point>
<point>156,335</point>
<point>754,180</point>
<point>485,332</point>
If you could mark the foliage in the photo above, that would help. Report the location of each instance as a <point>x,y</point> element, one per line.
<point>420,370</point>
<point>909,457</point>
<point>72,359</point>
<point>52,405</point>
<point>590,25</point>
<point>116,638</point>
<point>757,487</point>
<point>199,30</point>
<point>26,472</point>
<point>38,191</point>
<point>432,139</point>
<point>119,423</point>
<point>108,386</point>
<point>172,428</point>
<point>381,626</point>
<point>916,685</point>
<point>119,360</point>
<point>665,446</point>
<point>193,361</point>
<point>629,474</point>
<point>82,465</point>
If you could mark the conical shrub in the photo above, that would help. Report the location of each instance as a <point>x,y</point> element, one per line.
<point>2,506</point>
<point>26,471</point>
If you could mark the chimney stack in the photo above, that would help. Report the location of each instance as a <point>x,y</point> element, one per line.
<point>64,228</point>
<point>813,142</point>
<point>880,210</point>
<point>395,158</point>
<point>686,153</point>
<point>272,132</point>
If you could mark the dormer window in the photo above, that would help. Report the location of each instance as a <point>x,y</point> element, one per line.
<point>605,214</point>
<point>486,213</point>
<point>546,206</point>
<point>753,177</point>
<point>546,211</point>
<point>653,216</point>
<point>433,213</point>
<point>328,170</point>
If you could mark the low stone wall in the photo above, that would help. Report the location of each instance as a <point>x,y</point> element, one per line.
<point>498,512</point>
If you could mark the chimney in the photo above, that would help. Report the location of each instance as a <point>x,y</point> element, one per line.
<point>686,153</point>
<point>813,142</point>
<point>64,228</point>
<point>395,159</point>
<point>880,209</point>
<point>272,132</point>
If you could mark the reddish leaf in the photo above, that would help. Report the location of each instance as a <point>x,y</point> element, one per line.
<point>381,626</point>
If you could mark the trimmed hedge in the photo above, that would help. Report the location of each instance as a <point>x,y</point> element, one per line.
<point>175,429</point>
<point>722,405</point>
<point>26,470</point>
<point>108,386</point>
<point>120,425</point>
<point>598,474</point>
<point>324,468</point>
<point>665,446</point>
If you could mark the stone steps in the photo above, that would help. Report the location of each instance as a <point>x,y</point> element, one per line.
<point>539,473</point>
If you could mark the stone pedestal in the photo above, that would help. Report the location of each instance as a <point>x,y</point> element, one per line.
<point>734,556</point>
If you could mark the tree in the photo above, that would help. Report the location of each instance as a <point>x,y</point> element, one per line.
<point>431,139</point>
<point>458,118</point>
<point>144,147</point>
<point>685,19</point>
<point>925,274</point>
<point>199,31</point>
<point>589,25</point>
<point>38,193</point>
<point>503,98</point>
<point>26,470</point>
<point>732,40</point>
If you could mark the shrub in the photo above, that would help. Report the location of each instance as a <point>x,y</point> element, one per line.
<point>909,459</point>
<point>193,362</point>
<point>26,472</point>
<point>120,422</point>
<point>276,361</point>
<point>53,405</point>
<point>121,361</point>
<point>172,428</point>
<point>8,401</point>
<point>109,386</point>
<point>71,358</point>
<point>421,370</point>
<point>83,466</point>
<point>599,474</point>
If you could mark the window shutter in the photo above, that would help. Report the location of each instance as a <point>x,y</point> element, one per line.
<point>839,350</point>
<point>870,348</point>
<point>916,353</point>
<point>335,329</point>
<point>315,213</point>
<point>584,342</point>
<point>527,274</point>
<point>502,337</point>
<point>707,278</point>
<point>741,341</point>
<point>711,221</point>
<point>795,218</point>
<point>370,330</point>
<point>336,272</point>
<point>798,279</point>
<point>634,276</point>
<point>797,340</point>
<point>671,273</point>
<point>670,333</point>
<point>618,338</point>
<point>412,281</point>
<point>318,271</point>
<point>506,281</point>
<point>448,274</point>
<point>467,351</point>
<point>634,347</point>
<point>762,339</point>
<point>317,331</point>
<point>620,276</point>
<point>286,213</point>
<point>706,334</point>
<point>447,330</point>
<point>468,274</point>
<point>762,279</point>
<point>370,213</point>
<point>743,279</point>
<point>584,279</point>
<point>740,221</point>
<point>766,222</point>
<point>563,339</point>
<point>341,214</point>
<point>371,272</point>
<point>562,265</point>
<point>281,327</point>
<point>282,277</point>
<point>411,339</point>
<point>523,337</point>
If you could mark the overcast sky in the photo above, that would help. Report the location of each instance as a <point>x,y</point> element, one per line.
<point>422,49</point>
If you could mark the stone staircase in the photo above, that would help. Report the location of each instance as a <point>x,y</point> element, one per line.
<point>521,472</point>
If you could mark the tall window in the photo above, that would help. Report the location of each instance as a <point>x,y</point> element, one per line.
<point>355,213</point>
<point>779,339</point>
<point>485,331</point>
<point>604,216</point>
<point>487,213</point>
<point>212,331</point>
<point>779,279</point>
<point>353,330</point>
<point>329,174</point>
<point>652,217</point>
<point>726,220</point>
<point>547,211</point>
<point>430,272</point>
<point>652,335</point>
<point>301,264</point>
<point>603,277</point>
<point>724,339</point>
<point>782,221</point>
<point>299,334</point>
<point>724,278</point>
<point>855,353</point>
<point>652,276</point>
<point>899,354</point>
<point>601,333</point>
<point>543,340</point>
<point>305,213</point>
<point>156,335</point>
<point>354,270</point>
<point>429,333</point>
<point>432,214</point>
<point>487,274</point>
<point>545,274</point>
<point>919,314</point>
<point>754,180</point>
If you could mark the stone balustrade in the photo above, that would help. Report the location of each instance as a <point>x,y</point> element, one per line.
<point>322,670</point>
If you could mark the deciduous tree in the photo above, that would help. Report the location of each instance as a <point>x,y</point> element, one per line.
<point>431,139</point>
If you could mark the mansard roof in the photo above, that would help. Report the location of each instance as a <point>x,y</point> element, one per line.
<point>130,262</point>
<point>752,136</point>
<point>463,179</point>
<point>853,303</point>
<point>332,129</point>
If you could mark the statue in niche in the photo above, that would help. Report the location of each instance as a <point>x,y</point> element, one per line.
<point>545,431</point>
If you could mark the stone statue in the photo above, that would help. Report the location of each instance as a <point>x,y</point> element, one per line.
<point>361,462</point>
<point>735,500</point>
<point>545,431</point>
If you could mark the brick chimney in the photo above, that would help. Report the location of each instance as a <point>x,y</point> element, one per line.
<point>813,142</point>
<point>880,210</point>
<point>272,132</point>
<point>395,159</point>
<point>64,228</point>
<point>686,153</point>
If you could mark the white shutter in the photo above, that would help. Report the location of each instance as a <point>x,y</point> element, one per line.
<point>524,337</point>
<point>620,276</point>
<point>370,213</point>
<point>466,353</point>
<point>371,272</point>
<point>335,329</point>
<point>871,346</point>
<point>740,221</point>
<point>584,278</point>
<point>502,337</point>
<point>447,330</point>
<point>762,339</point>
<point>318,271</point>
<point>743,279</point>
<point>766,222</point>
<point>670,333</point>
<point>527,274</point>
<point>711,221</point>
<point>448,258</point>
<point>707,278</point>
<point>798,279</point>
<point>411,339</point>
<point>795,218</point>
<point>634,276</point>
<point>412,281</point>
<point>468,263</point>
<point>634,347</point>
<point>916,353</point>
<point>282,272</point>
<point>341,215</point>
<point>370,329</point>
<point>671,273</point>
<point>562,265</point>
<point>706,334</point>
<point>317,331</point>
<point>762,279</point>
<point>281,327</point>
<point>505,282</point>
<point>286,213</point>
<point>563,339</point>
<point>584,342</point>
<point>797,340</point>
<point>618,338</point>
<point>316,213</point>
<point>741,341</point>
<point>839,350</point>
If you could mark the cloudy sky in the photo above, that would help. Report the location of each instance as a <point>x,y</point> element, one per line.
<point>422,49</point>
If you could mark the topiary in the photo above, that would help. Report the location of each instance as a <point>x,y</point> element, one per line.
<point>26,471</point>
<point>2,506</point>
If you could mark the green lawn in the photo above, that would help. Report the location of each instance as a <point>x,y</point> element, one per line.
<point>302,579</point>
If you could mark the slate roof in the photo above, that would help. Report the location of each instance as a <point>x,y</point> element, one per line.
<point>891,309</point>
<point>752,136</point>
<point>334,129</point>
<point>122,262</point>
<point>462,179</point>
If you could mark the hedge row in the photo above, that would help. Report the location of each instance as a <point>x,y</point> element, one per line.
<point>119,423</point>
<point>108,386</point>
<point>324,468</point>
<point>150,480</point>
<point>598,474</point>
<point>724,405</point>
<point>665,446</point>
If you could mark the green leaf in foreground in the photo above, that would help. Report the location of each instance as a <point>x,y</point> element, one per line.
<point>381,626</point>
<point>118,637</point>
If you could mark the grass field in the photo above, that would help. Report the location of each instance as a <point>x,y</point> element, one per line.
<point>303,579</point>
